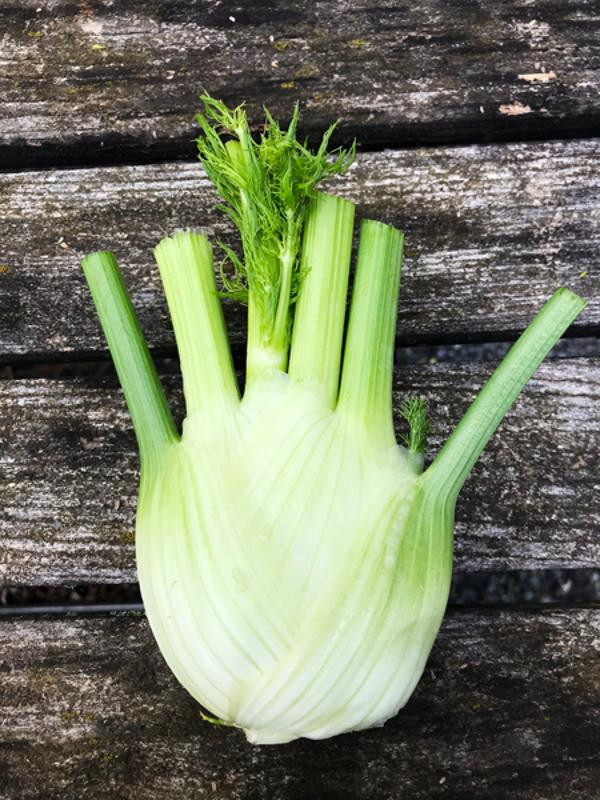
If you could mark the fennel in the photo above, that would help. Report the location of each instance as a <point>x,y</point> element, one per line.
<point>294,560</point>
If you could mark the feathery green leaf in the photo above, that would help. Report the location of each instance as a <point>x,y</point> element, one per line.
<point>266,184</point>
<point>414,411</point>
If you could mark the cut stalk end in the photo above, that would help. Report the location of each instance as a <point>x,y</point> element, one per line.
<point>319,314</point>
<point>186,269</point>
<point>366,387</point>
<point>458,456</point>
<point>152,420</point>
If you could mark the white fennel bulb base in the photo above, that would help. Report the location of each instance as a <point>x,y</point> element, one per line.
<point>277,558</point>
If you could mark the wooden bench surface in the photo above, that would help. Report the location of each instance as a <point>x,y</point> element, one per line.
<point>488,112</point>
<point>491,232</point>
<point>507,707</point>
<point>104,80</point>
<point>69,473</point>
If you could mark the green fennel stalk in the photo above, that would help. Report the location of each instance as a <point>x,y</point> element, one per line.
<point>294,560</point>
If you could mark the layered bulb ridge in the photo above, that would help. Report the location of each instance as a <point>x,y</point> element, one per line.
<point>280,571</point>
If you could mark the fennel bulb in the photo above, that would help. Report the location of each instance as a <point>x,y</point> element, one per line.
<point>294,560</point>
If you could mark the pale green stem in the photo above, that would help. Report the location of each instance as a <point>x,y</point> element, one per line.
<point>236,154</point>
<point>280,336</point>
<point>186,269</point>
<point>255,343</point>
<point>261,356</point>
<point>268,350</point>
<point>457,457</point>
<point>321,305</point>
<point>152,420</point>
<point>366,387</point>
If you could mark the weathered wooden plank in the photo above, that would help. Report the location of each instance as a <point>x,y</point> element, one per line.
<point>68,475</point>
<point>508,707</point>
<point>491,232</point>
<point>115,79</point>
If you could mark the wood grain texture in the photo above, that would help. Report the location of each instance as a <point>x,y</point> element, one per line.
<point>491,232</point>
<point>106,79</point>
<point>68,474</point>
<point>507,707</point>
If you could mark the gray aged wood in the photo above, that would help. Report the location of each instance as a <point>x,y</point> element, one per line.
<point>105,80</point>
<point>68,474</point>
<point>507,707</point>
<point>491,232</point>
